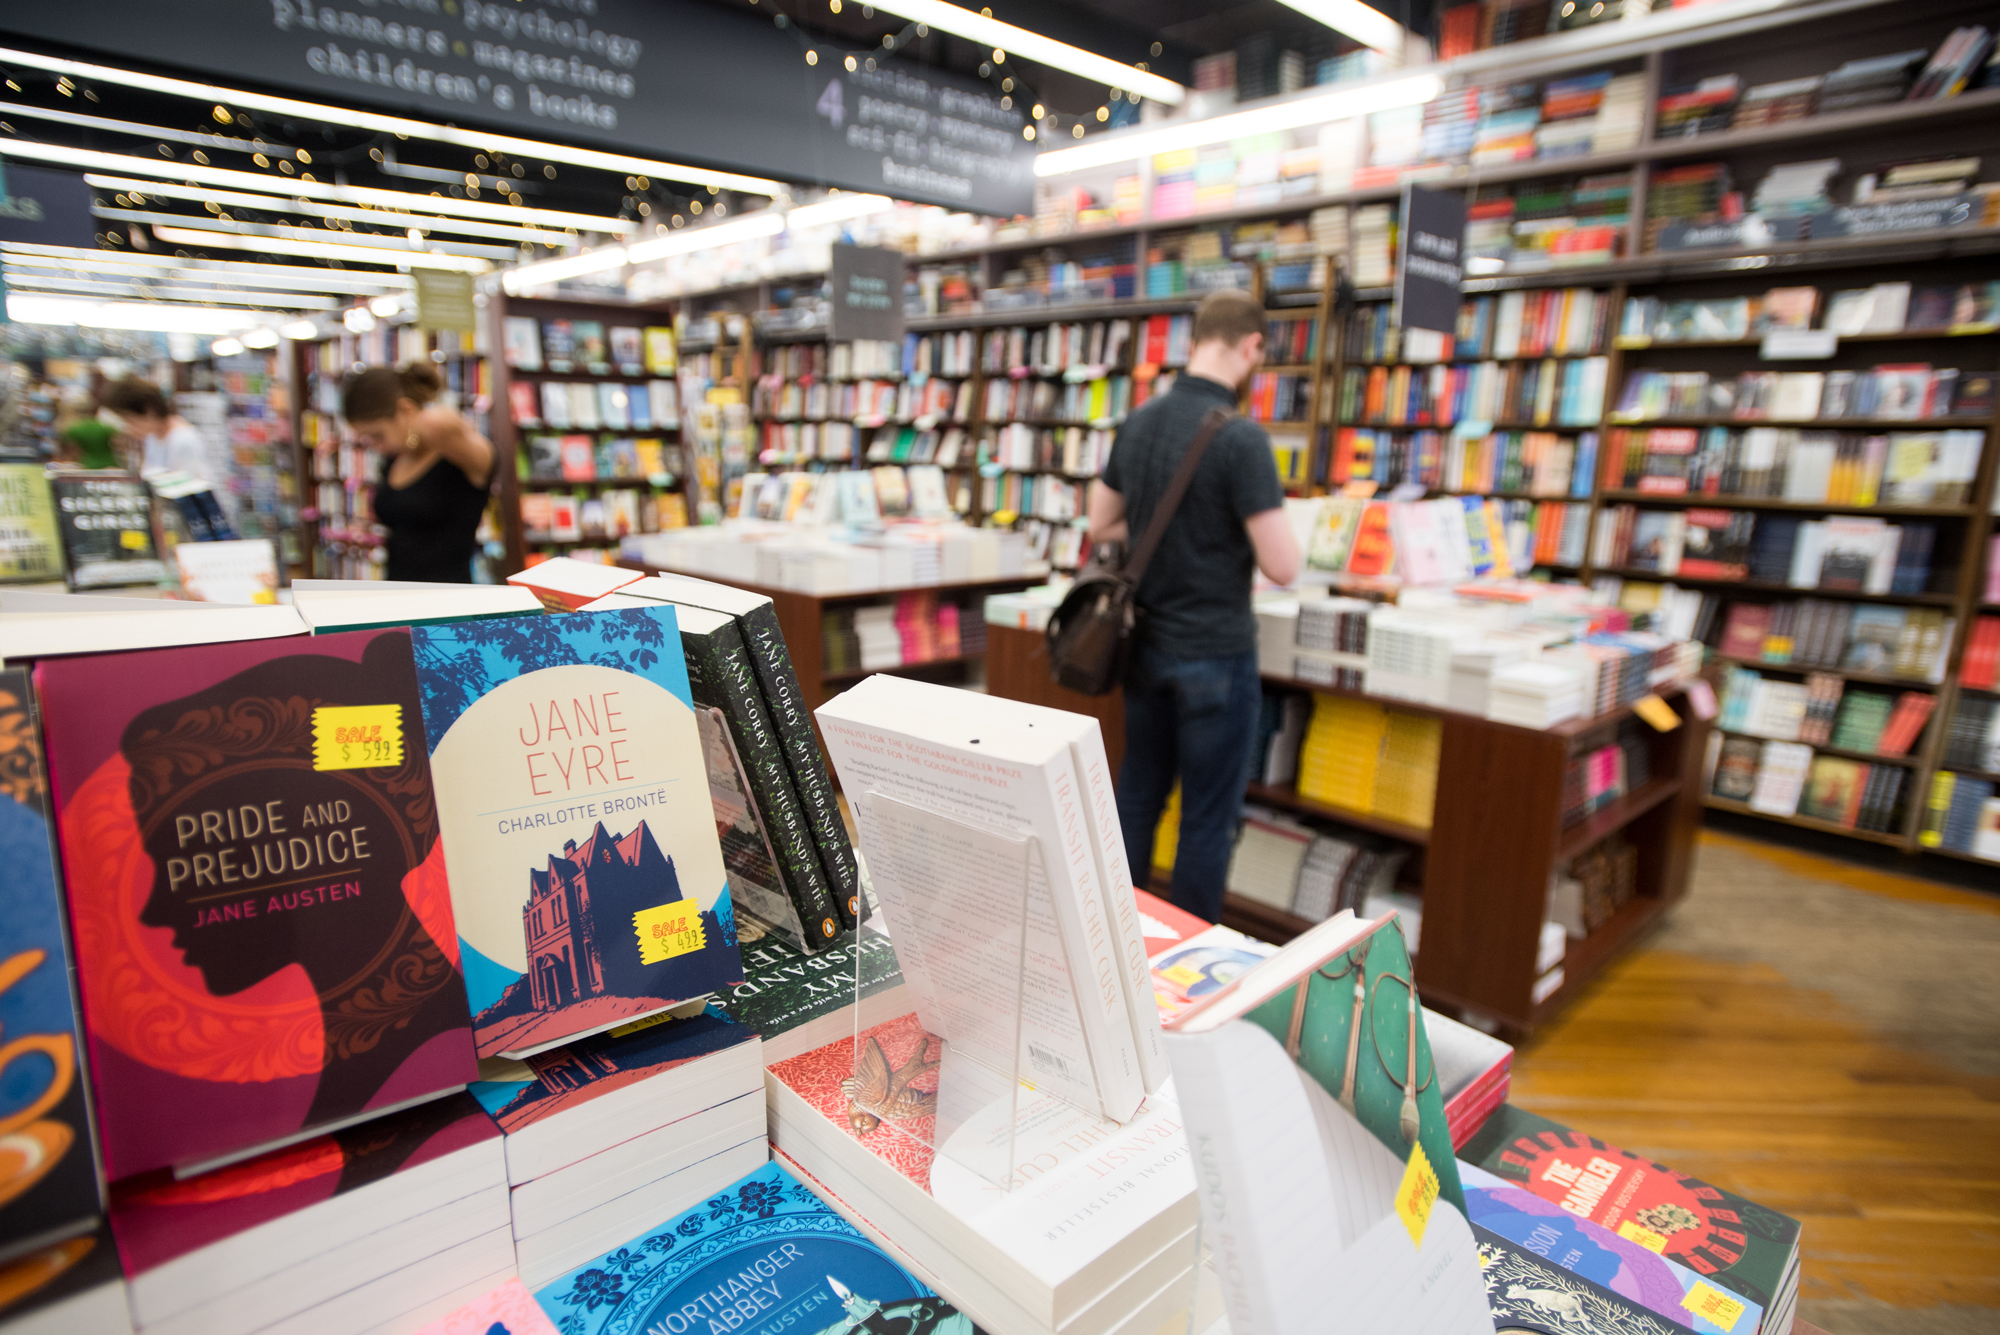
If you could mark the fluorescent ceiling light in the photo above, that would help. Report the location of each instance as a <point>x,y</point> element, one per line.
<point>90,160</point>
<point>1047,50</point>
<point>1368,26</point>
<point>620,163</point>
<point>25,308</point>
<point>285,301</point>
<point>392,240</point>
<point>226,143</point>
<point>386,306</point>
<point>568,266</point>
<point>127,264</point>
<point>324,250</point>
<point>1105,150</point>
<point>225,347</point>
<point>769,222</point>
<point>263,336</point>
<point>237,199</point>
<point>359,320</point>
<point>838,208</point>
<point>300,330</point>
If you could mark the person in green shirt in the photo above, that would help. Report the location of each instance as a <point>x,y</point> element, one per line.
<point>84,439</point>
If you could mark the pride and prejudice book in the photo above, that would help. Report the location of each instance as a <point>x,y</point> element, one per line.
<point>48,1183</point>
<point>257,892</point>
<point>764,1256</point>
<point>588,883</point>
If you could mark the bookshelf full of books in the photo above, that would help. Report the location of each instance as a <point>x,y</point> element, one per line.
<point>589,436</point>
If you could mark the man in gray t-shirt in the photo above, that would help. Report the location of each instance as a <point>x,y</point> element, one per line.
<point>1192,695</point>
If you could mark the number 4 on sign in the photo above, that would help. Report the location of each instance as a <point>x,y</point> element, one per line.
<point>832,103</point>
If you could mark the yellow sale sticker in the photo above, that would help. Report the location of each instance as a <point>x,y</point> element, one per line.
<point>132,540</point>
<point>1417,1194</point>
<point>1645,1237</point>
<point>1712,1304</point>
<point>667,930</point>
<point>357,736</point>
<point>1656,712</point>
<point>1181,976</point>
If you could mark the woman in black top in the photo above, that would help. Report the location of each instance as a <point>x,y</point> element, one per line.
<point>436,473</point>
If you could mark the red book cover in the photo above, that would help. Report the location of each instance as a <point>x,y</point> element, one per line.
<point>1165,926</point>
<point>1906,724</point>
<point>257,891</point>
<point>1743,637</point>
<point>527,406</point>
<point>579,459</point>
<point>156,1219</point>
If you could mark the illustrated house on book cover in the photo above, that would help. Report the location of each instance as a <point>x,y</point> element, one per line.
<point>263,926</point>
<point>588,887</point>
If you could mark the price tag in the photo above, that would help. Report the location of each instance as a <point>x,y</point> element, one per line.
<point>1782,345</point>
<point>357,737</point>
<point>1701,698</point>
<point>667,930</point>
<point>1180,976</point>
<point>1712,1304</point>
<point>1656,712</point>
<point>1645,1237</point>
<point>132,540</point>
<point>1417,1194</point>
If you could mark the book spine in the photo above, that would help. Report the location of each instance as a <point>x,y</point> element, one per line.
<point>1116,885</point>
<point>720,675</point>
<point>780,681</point>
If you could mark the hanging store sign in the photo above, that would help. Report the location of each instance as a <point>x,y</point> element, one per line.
<point>867,286</point>
<point>1430,268</point>
<point>46,208</point>
<point>444,300</point>
<point>677,79</point>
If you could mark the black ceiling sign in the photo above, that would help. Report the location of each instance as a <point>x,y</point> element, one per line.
<point>673,79</point>
<point>46,208</point>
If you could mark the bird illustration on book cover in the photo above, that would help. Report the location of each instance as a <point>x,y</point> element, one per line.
<point>263,925</point>
<point>882,1090</point>
<point>589,888</point>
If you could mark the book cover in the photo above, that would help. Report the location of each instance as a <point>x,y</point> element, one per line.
<point>764,1256</point>
<point>157,1218</point>
<point>592,350</point>
<point>507,1310</point>
<point>559,345</point>
<point>77,1282</point>
<point>661,356</point>
<point>628,355</point>
<point>784,988</point>
<point>1526,1293</point>
<point>106,524</point>
<point>1744,632</point>
<point>522,344</point>
<point>519,1094</point>
<point>1739,1245</point>
<point>1833,790</point>
<point>263,924</point>
<point>747,852</point>
<point>589,888</point>
<point>30,541</point>
<point>48,1181</point>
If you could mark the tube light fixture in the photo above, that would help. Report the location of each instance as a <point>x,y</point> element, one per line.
<point>59,260</point>
<point>225,347</point>
<point>386,306</point>
<point>237,199</point>
<point>1409,90</point>
<point>289,232</point>
<point>226,143</point>
<point>567,266</point>
<point>620,163</point>
<point>263,336</point>
<point>836,208</point>
<point>325,250</point>
<point>300,330</point>
<point>91,160</point>
<point>19,281</point>
<point>1000,36</point>
<point>27,308</point>
<point>768,222</point>
<point>1366,25</point>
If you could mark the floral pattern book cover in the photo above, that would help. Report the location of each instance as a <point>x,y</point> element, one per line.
<point>257,891</point>
<point>588,884</point>
<point>763,1257</point>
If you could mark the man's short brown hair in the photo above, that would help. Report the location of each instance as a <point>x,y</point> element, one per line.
<point>1231,315</point>
<point>136,396</point>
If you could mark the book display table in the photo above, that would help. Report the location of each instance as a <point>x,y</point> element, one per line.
<point>1495,838</point>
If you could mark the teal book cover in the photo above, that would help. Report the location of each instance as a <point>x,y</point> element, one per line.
<point>1355,1024</point>
<point>588,883</point>
<point>764,1256</point>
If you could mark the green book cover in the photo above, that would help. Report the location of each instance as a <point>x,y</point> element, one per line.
<point>783,988</point>
<point>719,674</point>
<point>1744,1247</point>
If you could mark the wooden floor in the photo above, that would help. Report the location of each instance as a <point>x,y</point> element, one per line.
<point>1718,1061</point>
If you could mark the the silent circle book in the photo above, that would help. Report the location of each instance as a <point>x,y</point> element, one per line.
<point>257,891</point>
<point>765,1256</point>
<point>588,885</point>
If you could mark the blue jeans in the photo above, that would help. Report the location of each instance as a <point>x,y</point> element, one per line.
<point>1194,719</point>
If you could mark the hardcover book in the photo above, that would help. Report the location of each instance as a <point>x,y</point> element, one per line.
<point>263,924</point>
<point>106,524</point>
<point>48,1182</point>
<point>1751,1251</point>
<point>1527,1293</point>
<point>764,1256</point>
<point>589,887</point>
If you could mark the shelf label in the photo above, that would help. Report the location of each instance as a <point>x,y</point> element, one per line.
<point>1781,345</point>
<point>1656,712</point>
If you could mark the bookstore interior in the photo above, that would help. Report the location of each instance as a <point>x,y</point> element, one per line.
<point>1626,777</point>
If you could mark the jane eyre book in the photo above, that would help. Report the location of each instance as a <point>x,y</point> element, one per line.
<point>588,887</point>
<point>48,1183</point>
<point>257,889</point>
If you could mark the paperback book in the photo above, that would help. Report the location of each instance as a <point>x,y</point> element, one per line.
<point>265,809</point>
<point>589,885</point>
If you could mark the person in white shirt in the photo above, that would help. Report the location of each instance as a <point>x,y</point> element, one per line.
<point>170,442</point>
